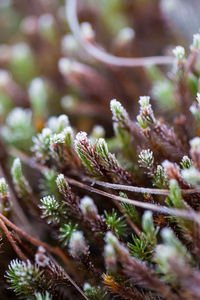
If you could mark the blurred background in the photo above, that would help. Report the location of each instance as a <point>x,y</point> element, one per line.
<point>34,36</point>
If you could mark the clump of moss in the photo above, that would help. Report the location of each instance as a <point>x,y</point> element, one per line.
<point>99,186</point>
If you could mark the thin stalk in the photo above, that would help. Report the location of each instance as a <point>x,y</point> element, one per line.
<point>17,212</point>
<point>12,242</point>
<point>37,243</point>
<point>191,215</point>
<point>137,189</point>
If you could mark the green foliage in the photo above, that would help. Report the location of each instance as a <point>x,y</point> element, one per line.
<point>18,130</point>
<point>94,292</point>
<point>38,96</point>
<point>154,73</point>
<point>162,88</point>
<point>97,159</point>
<point>3,188</point>
<point>63,186</point>
<point>102,150</point>
<point>46,27</point>
<point>58,124</point>
<point>66,231</point>
<point>192,176</point>
<point>163,92</point>
<point>57,147</point>
<point>169,253</point>
<point>146,116</point>
<point>150,231</point>
<point>122,128</point>
<point>195,108</point>
<point>140,248</point>
<point>5,99</point>
<point>4,197</point>
<point>146,159</point>
<point>174,199</point>
<point>111,15</point>
<point>130,210</point>
<point>171,240</point>
<point>50,73</point>
<point>160,178</point>
<point>52,209</point>
<point>120,115</point>
<point>22,186</point>
<point>22,64</point>
<point>186,162</point>
<point>77,244</point>
<point>193,85</point>
<point>143,246</point>
<point>48,183</point>
<point>25,279</point>
<point>53,132</point>
<point>68,136</point>
<point>88,207</point>
<point>115,223</point>
<point>82,145</point>
<point>46,296</point>
<point>41,145</point>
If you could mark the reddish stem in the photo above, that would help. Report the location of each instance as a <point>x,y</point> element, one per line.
<point>12,242</point>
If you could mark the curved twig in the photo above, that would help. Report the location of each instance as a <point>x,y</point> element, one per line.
<point>99,54</point>
<point>188,214</point>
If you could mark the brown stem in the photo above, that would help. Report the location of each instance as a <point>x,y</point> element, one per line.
<point>12,242</point>
<point>18,213</point>
<point>188,214</point>
<point>38,243</point>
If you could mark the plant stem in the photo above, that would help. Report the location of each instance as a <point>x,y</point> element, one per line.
<point>12,242</point>
<point>191,215</point>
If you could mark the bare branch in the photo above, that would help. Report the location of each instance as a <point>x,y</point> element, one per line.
<point>191,215</point>
<point>137,189</point>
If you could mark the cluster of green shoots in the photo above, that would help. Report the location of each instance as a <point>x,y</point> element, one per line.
<point>93,215</point>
